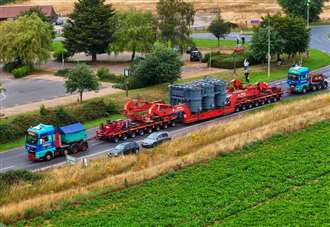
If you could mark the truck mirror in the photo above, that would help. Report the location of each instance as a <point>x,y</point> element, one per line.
<point>41,141</point>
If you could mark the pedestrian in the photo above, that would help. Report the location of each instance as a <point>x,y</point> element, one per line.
<point>243,40</point>
<point>237,41</point>
<point>246,70</point>
<point>246,74</point>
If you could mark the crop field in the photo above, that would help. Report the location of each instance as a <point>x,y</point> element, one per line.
<point>284,180</point>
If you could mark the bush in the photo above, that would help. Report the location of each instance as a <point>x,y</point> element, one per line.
<point>62,72</point>
<point>206,57</point>
<point>228,61</point>
<point>9,67</point>
<point>21,71</point>
<point>12,177</point>
<point>104,74</point>
<point>89,110</point>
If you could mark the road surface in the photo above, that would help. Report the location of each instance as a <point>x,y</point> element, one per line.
<point>16,158</point>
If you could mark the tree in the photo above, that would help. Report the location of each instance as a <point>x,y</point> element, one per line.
<point>219,28</point>
<point>89,28</point>
<point>26,40</point>
<point>136,31</point>
<point>37,10</point>
<point>81,78</point>
<point>299,8</point>
<point>292,31</point>
<point>259,43</point>
<point>175,17</point>
<point>160,66</point>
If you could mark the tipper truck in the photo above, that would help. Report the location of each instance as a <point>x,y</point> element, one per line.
<point>301,80</point>
<point>45,142</point>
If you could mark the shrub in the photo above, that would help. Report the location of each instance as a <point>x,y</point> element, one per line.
<point>12,177</point>
<point>90,110</point>
<point>206,57</point>
<point>59,51</point>
<point>228,61</point>
<point>9,67</point>
<point>21,71</point>
<point>62,72</point>
<point>104,74</point>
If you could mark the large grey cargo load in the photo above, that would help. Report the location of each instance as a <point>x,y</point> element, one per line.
<point>199,95</point>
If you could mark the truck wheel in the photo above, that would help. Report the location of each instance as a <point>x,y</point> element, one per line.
<point>237,109</point>
<point>325,85</point>
<point>165,126</point>
<point>256,104</point>
<point>157,128</point>
<point>75,148</point>
<point>262,102</point>
<point>133,134</point>
<point>269,101</point>
<point>84,146</point>
<point>304,90</point>
<point>314,88</point>
<point>48,156</point>
<point>250,106</point>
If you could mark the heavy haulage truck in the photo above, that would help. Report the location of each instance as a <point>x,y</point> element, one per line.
<point>301,80</point>
<point>189,103</point>
<point>45,142</point>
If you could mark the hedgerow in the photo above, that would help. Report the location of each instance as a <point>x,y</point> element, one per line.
<point>60,116</point>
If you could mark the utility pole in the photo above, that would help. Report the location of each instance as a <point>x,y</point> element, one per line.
<point>308,8</point>
<point>269,46</point>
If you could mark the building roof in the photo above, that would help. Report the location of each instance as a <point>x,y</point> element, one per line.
<point>14,11</point>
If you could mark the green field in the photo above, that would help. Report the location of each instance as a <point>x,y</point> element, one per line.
<point>282,181</point>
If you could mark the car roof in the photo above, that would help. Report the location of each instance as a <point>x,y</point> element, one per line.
<point>159,133</point>
<point>126,143</point>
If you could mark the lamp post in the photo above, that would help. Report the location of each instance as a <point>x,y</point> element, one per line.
<point>268,46</point>
<point>2,98</point>
<point>126,75</point>
<point>308,8</point>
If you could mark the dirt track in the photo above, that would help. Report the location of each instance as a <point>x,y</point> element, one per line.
<point>233,10</point>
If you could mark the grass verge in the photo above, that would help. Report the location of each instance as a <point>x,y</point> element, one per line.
<point>56,185</point>
<point>282,181</point>
<point>212,43</point>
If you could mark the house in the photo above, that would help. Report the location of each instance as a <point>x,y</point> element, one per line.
<point>12,12</point>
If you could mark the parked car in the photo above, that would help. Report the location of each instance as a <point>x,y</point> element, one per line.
<point>195,55</point>
<point>125,149</point>
<point>155,138</point>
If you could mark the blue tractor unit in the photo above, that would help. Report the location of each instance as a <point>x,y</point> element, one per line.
<point>301,80</point>
<point>45,142</point>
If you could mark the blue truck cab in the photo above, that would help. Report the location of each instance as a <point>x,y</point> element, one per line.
<point>44,142</point>
<point>301,80</point>
<point>298,79</point>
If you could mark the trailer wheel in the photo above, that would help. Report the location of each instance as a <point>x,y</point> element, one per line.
<point>149,130</point>
<point>75,148</point>
<point>165,126</point>
<point>115,139</point>
<point>124,137</point>
<point>84,146</point>
<point>269,101</point>
<point>275,99</point>
<point>319,87</point>
<point>237,109</point>
<point>243,107</point>
<point>133,134</point>
<point>256,104</point>
<point>262,102</point>
<point>141,132</point>
<point>157,128</point>
<point>250,106</point>
<point>325,85</point>
<point>48,156</point>
<point>173,124</point>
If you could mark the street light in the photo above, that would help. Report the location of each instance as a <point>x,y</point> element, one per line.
<point>2,98</point>
<point>126,75</point>
<point>308,8</point>
<point>268,46</point>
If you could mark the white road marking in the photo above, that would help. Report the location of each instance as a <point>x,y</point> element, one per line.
<point>5,168</point>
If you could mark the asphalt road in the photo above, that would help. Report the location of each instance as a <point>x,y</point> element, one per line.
<point>319,37</point>
<point>17,159</point>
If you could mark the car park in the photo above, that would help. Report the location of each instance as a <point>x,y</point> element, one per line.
<point>155,139</point>
<point>125,149</point>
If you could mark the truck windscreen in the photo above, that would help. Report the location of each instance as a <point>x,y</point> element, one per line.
<point>31,138</point>
<point>293,77</point>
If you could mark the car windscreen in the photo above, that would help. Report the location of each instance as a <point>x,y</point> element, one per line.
<point>120,146</point>
<point>153,136</point>
<point>31,138</point>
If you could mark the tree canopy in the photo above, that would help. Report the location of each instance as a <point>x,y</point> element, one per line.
<point>80,79</point>
<point>135,31</point>
<point>26,40</point>
<point>160,66</point>
<point>175,17</point>
<point>219,28</point>
<point>259,43</point>
<point>299,8</point>
<point>89,28</point>
<point>292,31</point>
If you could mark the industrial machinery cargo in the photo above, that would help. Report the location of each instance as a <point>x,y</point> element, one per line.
<point>44,142</point>
<point>189,103</point>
